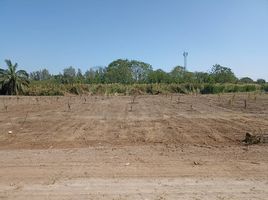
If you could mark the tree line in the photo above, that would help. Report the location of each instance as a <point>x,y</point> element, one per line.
<point>133,71</point>
<point>120,71</point>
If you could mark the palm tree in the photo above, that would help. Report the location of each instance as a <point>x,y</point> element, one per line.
<point>13,82</point>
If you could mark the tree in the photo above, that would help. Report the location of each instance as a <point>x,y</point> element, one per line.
<point>13,82</point>
<point>203,77</point>
<point>35,76</point>
<point>177,74</point>
<point>180,75</point>
<point>96,75</point>
<point>159,76</point>
<point>79,76</point>
<point>90,75</point>
<point>69,72</point>
<point>261,81</point>
<point>79,73</point>
<point>125,71</point>
<point>222,74</point>
<point>246,80</point>
<point>119,71</point>
<point>40,75</point>
<point>45,75</point>
<point>69,75</point>
<point>140,71</point>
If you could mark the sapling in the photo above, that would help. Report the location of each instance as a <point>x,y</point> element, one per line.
<point>130,108</point>
<point>191,107</point>
<point>25,118</point>
<point>233,97</point>
<point>133,99</point>
<point>5,106</point>
<point>37,100</point>
<point>230,102</point>
<point>178,101</point>
<point>245,104</point>
<point>69,105</point>
<point>255,96</point>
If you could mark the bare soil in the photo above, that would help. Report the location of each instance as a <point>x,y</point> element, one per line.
<point>155,147</point>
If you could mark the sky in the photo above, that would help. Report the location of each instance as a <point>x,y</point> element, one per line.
<point>55,34</point>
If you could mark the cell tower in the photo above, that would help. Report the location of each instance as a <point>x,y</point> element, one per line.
<point>185,55</point>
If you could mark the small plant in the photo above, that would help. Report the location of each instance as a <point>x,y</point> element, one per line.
<point>230,102</point>
<point>219,97</point>
<point>245,104</point>
<point>69,105</point>
<point>5,107</point>
<point>233,97</point>
<point>251,139</point>
<point>133,99</point>
<point>255,96</point>
<point>178,100</point>
<point>25,118</point>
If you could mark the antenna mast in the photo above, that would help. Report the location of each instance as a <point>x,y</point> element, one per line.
<point>185,55</point>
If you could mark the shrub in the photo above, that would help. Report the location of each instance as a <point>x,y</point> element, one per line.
<point>207,89</point>
<point>264,87</point>
<point>44,88</point>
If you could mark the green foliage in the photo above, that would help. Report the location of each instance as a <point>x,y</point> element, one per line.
<point>69,72</point>
<point>261,81</point>
<point>158,76</point>
<point>264,87</point>
<point>246,80</point>
<point>45,88</point>
<point>180,75</point>
<point>41,88</point>
<point>95,76</point>
<point>40,75</point>
<point>228,88</point>
<point>203,77</point>
<point>222,74</point>
<point>119,71</point>
<point>140,71</point>
<point>69,75</point>
<point>125,71</point>
<point>124,77</point>
<point>13,82</point>
<point>75,90</point>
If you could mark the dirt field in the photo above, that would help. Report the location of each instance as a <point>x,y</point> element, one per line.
<point>148,147</point>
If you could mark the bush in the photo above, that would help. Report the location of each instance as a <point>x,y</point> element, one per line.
<point>207,89</point>
<point>261,81</point>
<point>49,89</point>
<point>75,90</point>
<point>264,87</point>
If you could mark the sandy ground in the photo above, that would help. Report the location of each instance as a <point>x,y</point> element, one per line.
<point>157,147</point>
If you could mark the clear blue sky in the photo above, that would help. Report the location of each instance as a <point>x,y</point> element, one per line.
<point>55,34</point>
